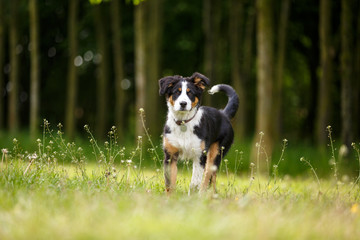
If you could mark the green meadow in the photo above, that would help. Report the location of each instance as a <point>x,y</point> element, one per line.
<point>92,190</point>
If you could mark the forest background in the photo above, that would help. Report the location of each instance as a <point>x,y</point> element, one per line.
<point>294,64</point>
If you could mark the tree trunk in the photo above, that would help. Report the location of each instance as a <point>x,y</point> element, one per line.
<point>102,72</point>
<point>281,46</point>
<point>219,44</point>
<point>118,66</point>
<point>2,55</point>
<point>346,73</point>
<point>236,43</point>
<point>72,71</point>
<point>209,49</point>
<point>356,89</point>
<point>265,78</point>
<point>35,68</point>
<point>13,117</point>
<point>154,36</point>
<point>325,80</point>
<point>140,61</point>
<point>248,60</point>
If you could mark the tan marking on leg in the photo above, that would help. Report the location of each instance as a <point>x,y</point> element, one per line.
<point>195,102</point>
<point>213,152</point>
<point>170,148</point>
<point>202,146</point>
<point>171,172</point>
<point>213,181</point>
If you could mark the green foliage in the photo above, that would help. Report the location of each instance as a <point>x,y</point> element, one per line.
<point>136,2</point>
<point>96,2</point>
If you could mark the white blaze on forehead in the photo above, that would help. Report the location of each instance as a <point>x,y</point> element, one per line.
<point>183,98</point>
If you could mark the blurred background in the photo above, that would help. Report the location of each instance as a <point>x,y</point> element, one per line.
<point>294,64</point>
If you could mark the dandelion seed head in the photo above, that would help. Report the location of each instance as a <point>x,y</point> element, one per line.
<point>343,151</point>
<point>332,162</point>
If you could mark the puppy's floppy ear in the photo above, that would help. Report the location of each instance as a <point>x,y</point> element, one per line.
<point>166,83</point>
<point>200,80</point>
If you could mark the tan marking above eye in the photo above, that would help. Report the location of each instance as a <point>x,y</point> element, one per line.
<point>179,89</point>
<point>188,90</point>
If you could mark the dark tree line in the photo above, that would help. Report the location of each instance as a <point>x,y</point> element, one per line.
<point>294,64</point>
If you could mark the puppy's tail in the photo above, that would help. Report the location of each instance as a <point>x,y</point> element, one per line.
<point>233,102</point>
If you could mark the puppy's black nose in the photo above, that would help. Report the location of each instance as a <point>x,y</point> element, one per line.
<point>183,104</point>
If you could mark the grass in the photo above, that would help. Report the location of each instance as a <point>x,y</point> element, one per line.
<point>61,202</point>
<point>58,190</point>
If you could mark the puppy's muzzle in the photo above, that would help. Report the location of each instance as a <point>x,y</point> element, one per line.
<point>183,106</point>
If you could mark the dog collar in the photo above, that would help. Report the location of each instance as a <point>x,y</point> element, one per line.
<point>181,123</point>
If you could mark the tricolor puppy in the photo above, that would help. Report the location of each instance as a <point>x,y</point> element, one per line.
<point>193,132</point>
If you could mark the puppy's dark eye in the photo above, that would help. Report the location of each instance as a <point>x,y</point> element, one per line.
<point>190,94</point>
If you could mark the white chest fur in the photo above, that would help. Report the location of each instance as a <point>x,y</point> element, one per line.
<point>187,142</point>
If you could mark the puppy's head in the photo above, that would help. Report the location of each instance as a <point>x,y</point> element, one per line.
<point>183,94</point>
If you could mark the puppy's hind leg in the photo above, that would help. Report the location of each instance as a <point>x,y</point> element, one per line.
<point>209,167</point>
<point>213,180</point>
<point>197,175</point>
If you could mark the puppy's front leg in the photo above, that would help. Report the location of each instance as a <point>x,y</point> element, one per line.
<point>170,166</point>
<point>170,172</point>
